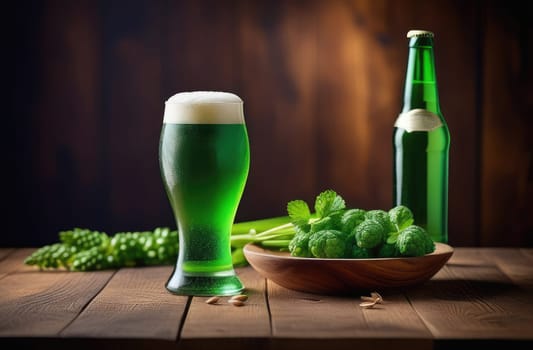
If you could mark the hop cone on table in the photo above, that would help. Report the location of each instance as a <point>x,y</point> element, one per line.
<point>161,247</point>
<point>83,239</point>
<point>92,259</point>
<point>87,250</point>
<point>158,247</point>
<point>52,256</point>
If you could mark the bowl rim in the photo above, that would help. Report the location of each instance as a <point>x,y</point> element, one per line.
<point>253,248</point>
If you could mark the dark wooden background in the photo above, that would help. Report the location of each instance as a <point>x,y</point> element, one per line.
<point>322,83</point>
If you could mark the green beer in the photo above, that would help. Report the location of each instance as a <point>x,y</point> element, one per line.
<point>204,157</point>
<point>421,142</point>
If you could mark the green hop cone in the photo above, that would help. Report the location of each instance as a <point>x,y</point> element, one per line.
<point>328,244</point>
<point>299,244</point>
<point>382,217</point>
<point>360,253</point>
<point>387,250</point>
<point>51,256</point>
<point>351,219</point>
<point>127,247</point>
<point>414,241</point>
<point>92,259</point>
<point>83,239</point>
<point>369,234</point>
<point>160,248</point>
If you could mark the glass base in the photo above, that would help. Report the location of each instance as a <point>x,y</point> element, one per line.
<point>204,285</point>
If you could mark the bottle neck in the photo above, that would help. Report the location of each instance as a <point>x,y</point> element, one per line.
<point>421,81</point>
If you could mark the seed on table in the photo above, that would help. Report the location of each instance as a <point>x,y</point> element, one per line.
<point>236,302</point>
<point>240,297</point>
<point>377,297</point>
<point>368,304</point>
<point>212,300</point>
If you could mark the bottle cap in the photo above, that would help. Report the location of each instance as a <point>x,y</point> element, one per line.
<point>420,34</point>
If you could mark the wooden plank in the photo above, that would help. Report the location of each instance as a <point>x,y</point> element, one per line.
<point>359,86</point>
<point>67,147</point>
<point>20,205</point>
<point>43,303</point>
<point>455,25</point>
<point>527,252</point>
<point>201,46</point>
<point>133,114</point>
<point>515,263</point>
<point>507,188</point>
<point>470,298</point>
<point>134,305</point>
<point>223,325</point>
<point>314,321</point>
<point>469,302</point>
<point>361,73</point>
<point>278,48</point>
<point>15,262</point>
<point>5,252</point>
<point>322,83</point>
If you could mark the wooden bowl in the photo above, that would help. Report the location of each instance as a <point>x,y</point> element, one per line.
<point>345,276</point>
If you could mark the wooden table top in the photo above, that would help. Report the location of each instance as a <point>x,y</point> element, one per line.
<point>481,295</point>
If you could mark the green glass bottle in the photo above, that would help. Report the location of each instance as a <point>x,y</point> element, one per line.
<point>421,142</point>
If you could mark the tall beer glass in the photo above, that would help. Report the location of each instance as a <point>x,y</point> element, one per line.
<point>204,157</point>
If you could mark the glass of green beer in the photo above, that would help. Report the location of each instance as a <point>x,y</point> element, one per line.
<point>204,156</point>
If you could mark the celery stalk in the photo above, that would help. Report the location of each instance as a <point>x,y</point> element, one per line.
<point>275,232</point>
<point>258,225</point>
<point>276,243</point>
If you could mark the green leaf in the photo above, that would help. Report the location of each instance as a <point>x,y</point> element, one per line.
<point>298,212</point>
<point>393,237</point>
<point>406,224</point>
<point>328,202</point>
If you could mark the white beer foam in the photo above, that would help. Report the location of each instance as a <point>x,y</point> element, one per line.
<point>204,107</point>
